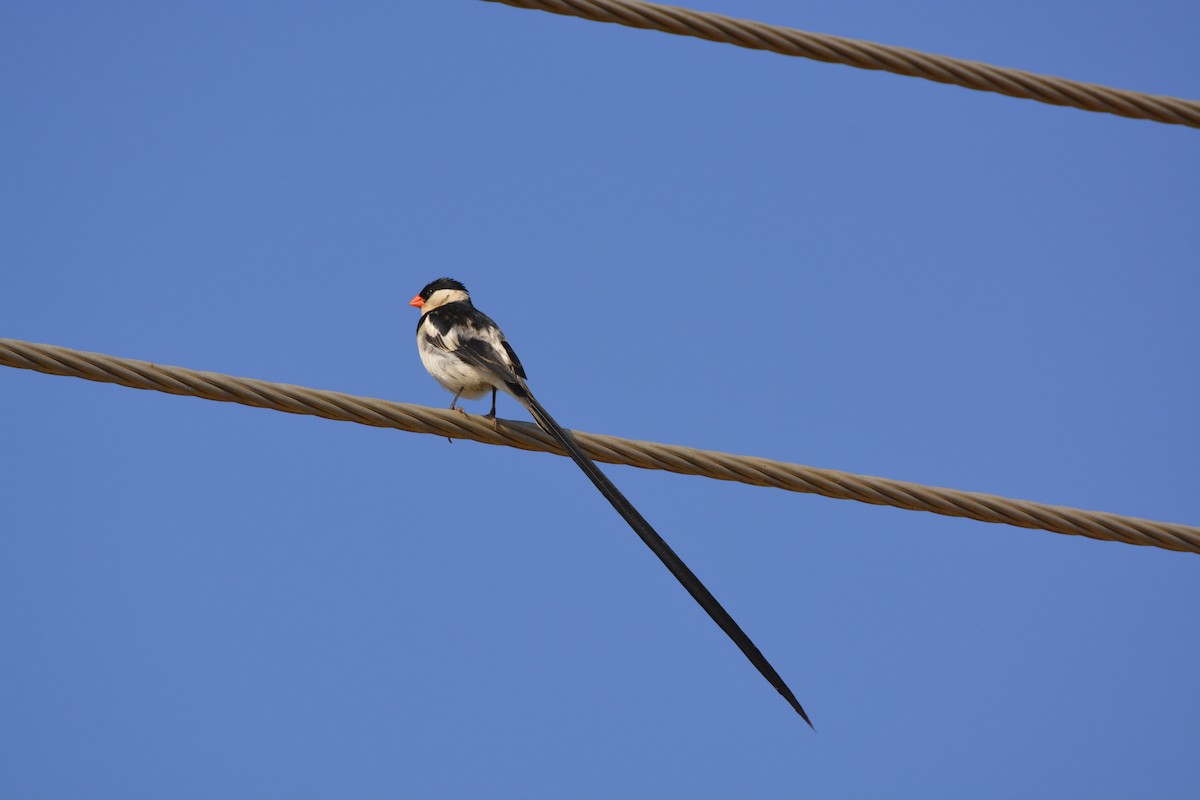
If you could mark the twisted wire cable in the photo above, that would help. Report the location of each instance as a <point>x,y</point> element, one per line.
<point>870,55</point>
<point>56,360</point>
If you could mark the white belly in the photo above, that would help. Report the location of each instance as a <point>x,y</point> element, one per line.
<point>455,375</point>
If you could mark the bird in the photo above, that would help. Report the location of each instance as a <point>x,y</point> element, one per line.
<point>468,354</point>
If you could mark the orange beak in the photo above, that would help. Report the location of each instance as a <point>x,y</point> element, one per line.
<point>416,302</point>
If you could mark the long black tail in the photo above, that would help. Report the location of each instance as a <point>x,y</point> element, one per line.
<point>661,549</point>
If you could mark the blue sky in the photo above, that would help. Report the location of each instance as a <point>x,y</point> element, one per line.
<point>685,242</point>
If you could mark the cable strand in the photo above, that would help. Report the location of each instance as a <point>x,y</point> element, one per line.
<point>871,55</point>
<point>55,360</point>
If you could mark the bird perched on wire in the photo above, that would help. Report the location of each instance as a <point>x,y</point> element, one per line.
<point>465,351</point>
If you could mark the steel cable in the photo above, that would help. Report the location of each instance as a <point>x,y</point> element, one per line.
<point>870,55</point>
<point>56,360</point>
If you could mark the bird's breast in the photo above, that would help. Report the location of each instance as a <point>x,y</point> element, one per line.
<point>453,373</point>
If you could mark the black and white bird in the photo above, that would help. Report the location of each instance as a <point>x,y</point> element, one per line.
<point>465,351</point>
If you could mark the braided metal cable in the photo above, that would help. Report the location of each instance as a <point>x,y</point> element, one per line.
<point>609,449</point>
<point>870,55</point>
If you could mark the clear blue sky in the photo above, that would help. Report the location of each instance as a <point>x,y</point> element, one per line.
<point>686,242</point>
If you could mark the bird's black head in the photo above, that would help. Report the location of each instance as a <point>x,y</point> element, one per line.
<point>441,283</point>
<point>439,293</point>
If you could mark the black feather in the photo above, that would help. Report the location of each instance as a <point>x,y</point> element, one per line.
<point>512,356</point>
<point>481,354</point>
<point>450,316</point>
<point>664,552</point>
<point>441,283</point>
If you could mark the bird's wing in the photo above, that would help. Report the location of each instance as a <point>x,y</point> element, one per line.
<point>512,357</point>
<point>473,336</point>
<point>484,353</point>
